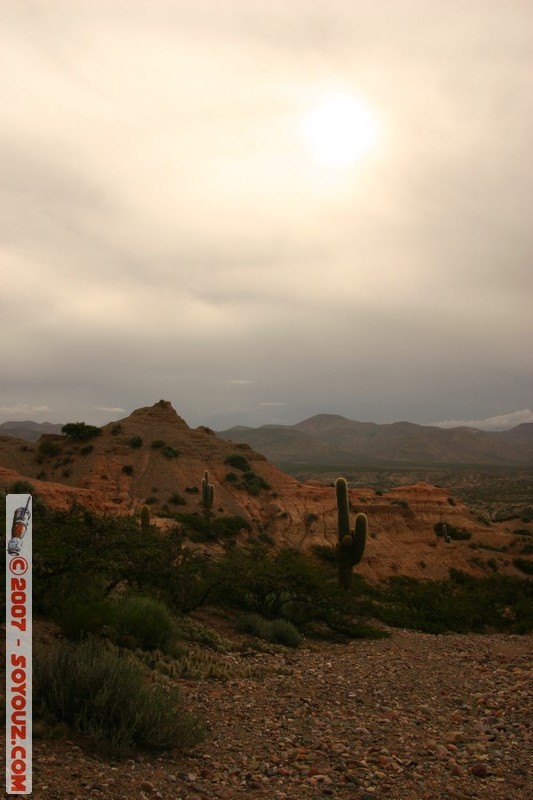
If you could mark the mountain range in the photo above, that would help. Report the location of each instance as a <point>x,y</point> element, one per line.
<point>333,439</point>
<point>27,430</point>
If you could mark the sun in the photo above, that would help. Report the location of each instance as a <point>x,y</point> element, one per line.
<point>340,130</point>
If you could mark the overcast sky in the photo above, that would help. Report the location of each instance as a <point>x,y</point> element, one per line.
<point>171,229</point>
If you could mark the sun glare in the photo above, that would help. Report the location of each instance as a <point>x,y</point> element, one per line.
<point>340,130</point>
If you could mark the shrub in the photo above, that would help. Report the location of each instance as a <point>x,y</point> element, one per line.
<point>254,483</point>
<point>48,449</point>
<point>148,620</point>
<point>200,529</point>
<point>157,444</point>
<point>86,449</point>
<point>277,631</point>
<point>102,693</point>
<point>524,565</point>
<point>136,441</point>
<point>82,615</point>
<point>127,469</point>
<point>169,452</point>
<point>115,430</point>
<point>326,552</point>
<point>177,500</point>
<point>80,431</point>
<point>237,461</point>
<point>21,487</point>
<point>284,632</point>
<point>461,604</point>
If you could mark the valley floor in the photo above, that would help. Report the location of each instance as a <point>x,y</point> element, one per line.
<point>413,717</point>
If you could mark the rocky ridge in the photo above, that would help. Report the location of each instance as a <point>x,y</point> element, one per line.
<point>121,470</point>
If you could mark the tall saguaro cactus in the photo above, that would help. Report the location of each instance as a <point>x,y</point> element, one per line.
<point>208,493</point>
<point>351,545</point>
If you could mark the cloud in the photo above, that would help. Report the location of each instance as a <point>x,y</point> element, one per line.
<point>163,226</point>
<point>24,408</point>
<point>501,422</point>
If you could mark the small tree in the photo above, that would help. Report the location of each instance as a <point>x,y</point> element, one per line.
<point>80,431</point>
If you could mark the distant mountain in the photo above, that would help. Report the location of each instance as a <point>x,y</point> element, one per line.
<point>27,430</point>
<point>333,439</point>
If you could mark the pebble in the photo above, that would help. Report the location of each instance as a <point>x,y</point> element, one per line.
<point>409,718</point>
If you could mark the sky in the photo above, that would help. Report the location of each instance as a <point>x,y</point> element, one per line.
<point>263,211</point>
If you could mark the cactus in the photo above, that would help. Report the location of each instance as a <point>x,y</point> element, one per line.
<point>351,546</point>
<point>145,518</point>
<point>208,493</point>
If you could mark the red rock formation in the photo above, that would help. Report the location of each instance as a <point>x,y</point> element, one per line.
<point>111,474</point>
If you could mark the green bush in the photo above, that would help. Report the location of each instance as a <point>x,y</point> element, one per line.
<point>326,552</point>
<point>524,565</point>
<point>169,452</point>
<point>201,530</point>
<point>136,441</point>
<point>80,431</point>
<point>462,604</point>
<point>285,585</point>
<point>147,620</point>
<point>48,449</point>
<point>277,631</point>
<point>177,500</point>
<point>237,461</point>
<point>83,615</point>
<point>104,694</point>
<point>284,632</point>
<point>21,487</point>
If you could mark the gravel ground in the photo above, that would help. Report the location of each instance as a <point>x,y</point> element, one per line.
<point>413,717</point>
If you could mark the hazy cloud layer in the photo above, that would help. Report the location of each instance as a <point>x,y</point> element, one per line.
<point>166,233</point>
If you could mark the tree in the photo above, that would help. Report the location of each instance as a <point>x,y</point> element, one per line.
<point>80,431</point>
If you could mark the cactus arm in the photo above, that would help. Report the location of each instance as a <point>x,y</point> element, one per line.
<point>359,539</point>
<point>343,511</point>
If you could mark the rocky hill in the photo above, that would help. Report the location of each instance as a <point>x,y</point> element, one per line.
<point>153,457</point>
<point>330,438</point>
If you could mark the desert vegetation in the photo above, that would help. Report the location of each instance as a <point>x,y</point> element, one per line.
<point>132,622</point>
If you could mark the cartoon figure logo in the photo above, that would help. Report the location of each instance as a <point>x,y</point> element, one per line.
<point>18,528</point>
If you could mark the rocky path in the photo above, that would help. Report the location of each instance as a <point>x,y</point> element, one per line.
<point>414,717</point>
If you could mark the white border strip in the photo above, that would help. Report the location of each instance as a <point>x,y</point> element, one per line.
<point>18,644</point>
